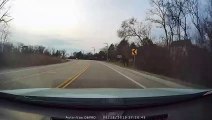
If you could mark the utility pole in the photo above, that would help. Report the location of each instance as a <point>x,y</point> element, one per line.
<point>107,50</point>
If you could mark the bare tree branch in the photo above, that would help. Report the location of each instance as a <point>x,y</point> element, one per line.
<point>132,28</point>
<point>5,18</point>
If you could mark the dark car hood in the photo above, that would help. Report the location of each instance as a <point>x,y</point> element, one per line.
<point>102,98</point>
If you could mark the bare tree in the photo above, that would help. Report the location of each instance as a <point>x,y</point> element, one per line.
<point>208,23</point>
<point>4,36</point>
<point>4,19</point>
<point>63,52</point>
<point>159,15</point>
<point>171,15</point>
<point>170,23</point>
<point>131,28</point>
<point>39,49</point>
<point>182,12</point>
<point>194,12</point>
<point>177,18</point>
<point>177,4</point>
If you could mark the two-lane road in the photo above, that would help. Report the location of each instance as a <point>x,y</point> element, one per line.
<point>80,74</point>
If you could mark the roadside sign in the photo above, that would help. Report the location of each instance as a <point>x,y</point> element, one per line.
<point>134,52</point>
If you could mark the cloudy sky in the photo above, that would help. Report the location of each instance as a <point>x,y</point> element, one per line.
<point>72,24</point>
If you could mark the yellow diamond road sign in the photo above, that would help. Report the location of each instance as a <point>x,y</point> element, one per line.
<point>134,52</point>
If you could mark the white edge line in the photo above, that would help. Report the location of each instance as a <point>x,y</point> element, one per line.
<point>156,79</point>
<point>137,83</point>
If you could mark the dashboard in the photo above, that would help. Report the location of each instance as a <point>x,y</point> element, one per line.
<point>195,109</point>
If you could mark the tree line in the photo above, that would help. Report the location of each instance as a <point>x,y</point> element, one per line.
<point>20,48</point>
<point>179,20</point>
<point>27,55</point>
<point>184,49</point>
<point>177,16</point>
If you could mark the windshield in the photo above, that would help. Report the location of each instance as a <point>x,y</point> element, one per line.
<point>122,44</point>
<point>62,59</point>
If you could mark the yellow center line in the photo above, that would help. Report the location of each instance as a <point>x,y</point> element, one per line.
<point>71,79</point>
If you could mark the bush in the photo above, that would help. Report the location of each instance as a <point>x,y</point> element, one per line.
<point>194,67</point>
<point>22,60</point>
<point>154,59</point>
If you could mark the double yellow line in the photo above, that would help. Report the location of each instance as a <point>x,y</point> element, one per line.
<point>71,79</point>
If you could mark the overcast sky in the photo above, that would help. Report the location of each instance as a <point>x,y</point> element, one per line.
<point>72,24</point>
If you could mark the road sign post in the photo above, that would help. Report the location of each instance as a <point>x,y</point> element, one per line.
<point>134,53</point>
<point>134,61</point>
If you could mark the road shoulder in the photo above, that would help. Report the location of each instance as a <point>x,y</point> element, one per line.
<point>159,78</point>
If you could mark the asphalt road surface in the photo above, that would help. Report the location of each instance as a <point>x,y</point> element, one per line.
<point>81,74</point>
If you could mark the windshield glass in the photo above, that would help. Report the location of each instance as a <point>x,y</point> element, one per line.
<point>129,44</point>
<point>64,59</point>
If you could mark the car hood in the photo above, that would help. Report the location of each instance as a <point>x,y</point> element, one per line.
<point>102,98</point>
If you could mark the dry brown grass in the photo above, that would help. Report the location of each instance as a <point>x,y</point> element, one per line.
<point>24,60</point>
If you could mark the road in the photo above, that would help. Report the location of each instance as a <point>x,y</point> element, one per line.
<point>81,74</point>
